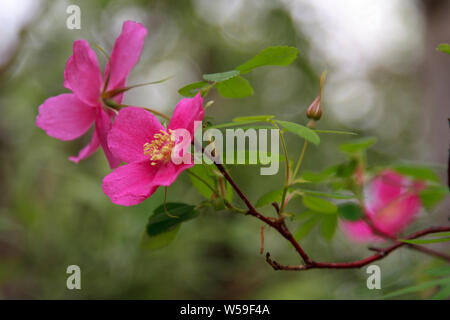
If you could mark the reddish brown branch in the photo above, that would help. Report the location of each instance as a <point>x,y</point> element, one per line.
<point>280,226</point>
<point>381,253</point>
<point>276,224</point>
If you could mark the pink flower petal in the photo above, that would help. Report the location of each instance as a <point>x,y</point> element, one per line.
<point>65,117</point>
<point>186,112</point>
<point>132,128</point>
<point>130,184</point>
<point>102,127</point>
<point>168,172</point>
<point>82,74</point>
<point>392,202</point>
<point>359,231</point>
<point>125,54</point>
<point>88,150</point>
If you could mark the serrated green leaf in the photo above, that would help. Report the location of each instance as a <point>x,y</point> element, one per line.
<point>203,172</point>
<point>236,87</point>
<point>161,222</point>
<point>350,211</point>
<point>357,145</point>
<point>302,131</point>
<point>259,118</point>
<point>191,89</point>
<point>444,47</point>
<point>319,205</point>
<point>160,240</point>
<point>279,56</point>
<point>432,195</point>
<point>306,227</point>
<point>417,172</point>
<point>419,287</point>
<point>221,76</point>
<point>269,197</point>
<point>329,225</point>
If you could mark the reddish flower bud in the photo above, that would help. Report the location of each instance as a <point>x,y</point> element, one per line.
<point>314,111</point>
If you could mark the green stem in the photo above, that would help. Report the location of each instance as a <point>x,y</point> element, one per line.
<point>310,124</point>
<point>286,158</point>
<point>300,159</point>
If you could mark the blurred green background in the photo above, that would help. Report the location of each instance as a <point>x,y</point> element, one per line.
<point>385,78</point>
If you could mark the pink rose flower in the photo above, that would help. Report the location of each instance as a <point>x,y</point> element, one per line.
<point>392,202</point>
<point>69,115</point>
<point>139,139</point>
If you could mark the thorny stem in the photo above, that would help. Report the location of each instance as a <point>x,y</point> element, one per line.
<point>280,226</point>
<point>380,254</point>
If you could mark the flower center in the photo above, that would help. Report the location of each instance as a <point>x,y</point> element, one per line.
<point>160,148</point>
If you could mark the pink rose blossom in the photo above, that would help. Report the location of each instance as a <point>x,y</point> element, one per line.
<point>69,115</point>
<point>392,202</point>
<point>139,139</point>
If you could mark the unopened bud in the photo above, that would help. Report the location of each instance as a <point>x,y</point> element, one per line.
<point>314,111</point>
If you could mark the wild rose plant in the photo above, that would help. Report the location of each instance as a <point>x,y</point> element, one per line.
<point>373,205</point>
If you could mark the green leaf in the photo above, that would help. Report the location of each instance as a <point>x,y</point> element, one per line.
<point>350,211</point>
<point>320,176</point>
<point>160,240</point>
<point>302,131</point>
<point>269,197</point>
<point>222,76</point>
<point>357,145</point>
<point>417,172</point>
<point>319,205</point>
<point>346,170</point>
<point>446,238</point>
<point>161,222</point>
<point>419,287</point>
<point>306,227</point>
<point>203,172</point>
<point>329,225</point>
<point>275,56</point>
<point>444,47</point>
<point>191,89</point>
<point>335,132</point>
<point>260,118</point>
<point>432,195</point>
<point>236,87</point>
<point>332,195</point>
<point>438,271</point>
<point>230,192</point>
<point>443,293</point>
<point>233,124</point>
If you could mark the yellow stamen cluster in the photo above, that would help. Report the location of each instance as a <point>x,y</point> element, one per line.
<point>160,148</point>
